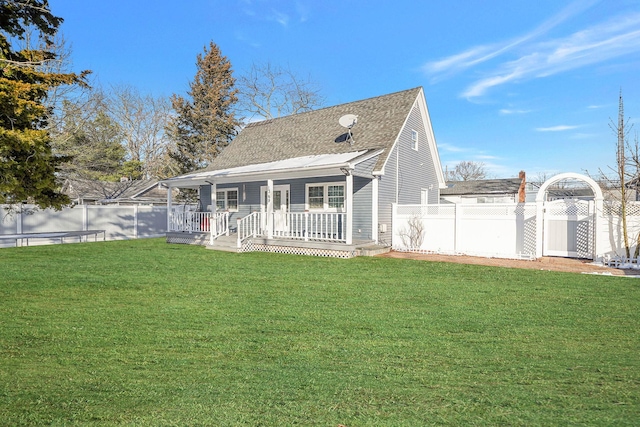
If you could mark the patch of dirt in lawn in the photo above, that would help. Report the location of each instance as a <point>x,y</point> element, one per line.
<point>568,265</point>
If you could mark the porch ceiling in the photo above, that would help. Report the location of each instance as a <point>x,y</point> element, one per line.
<point>299,167</point>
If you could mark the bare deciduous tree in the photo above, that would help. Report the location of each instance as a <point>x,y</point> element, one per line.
<point>270,91</point>
<point>624,170</point>
<point>142,120</point>
<point>467,171</point>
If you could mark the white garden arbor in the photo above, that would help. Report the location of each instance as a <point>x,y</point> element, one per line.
<point>594,216</point>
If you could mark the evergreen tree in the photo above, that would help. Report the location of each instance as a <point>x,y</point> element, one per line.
<point>27,165</point>
<point>206,123</point>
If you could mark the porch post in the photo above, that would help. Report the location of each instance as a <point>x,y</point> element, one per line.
<point>374,210</point>
<point>169,213</point>
<point>348,205</point>
<point>269,209</point>
<point>214,201</point>
<point>213,224</point>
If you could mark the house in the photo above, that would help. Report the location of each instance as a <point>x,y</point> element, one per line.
<point>509,190</point>
<point>320,182</point>
<point>125,192</point>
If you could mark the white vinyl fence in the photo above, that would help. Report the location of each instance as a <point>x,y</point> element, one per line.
<point>567,228</point>
<point>117,221</point>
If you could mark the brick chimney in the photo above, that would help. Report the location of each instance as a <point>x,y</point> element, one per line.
<point>522,196</point>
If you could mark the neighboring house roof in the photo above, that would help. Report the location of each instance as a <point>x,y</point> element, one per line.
<point>145,190</point>
<point>316,136</point>
<point>482,187</point>
<point>555,192</point>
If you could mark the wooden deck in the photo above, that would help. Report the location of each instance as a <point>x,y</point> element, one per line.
<point>290,246</point>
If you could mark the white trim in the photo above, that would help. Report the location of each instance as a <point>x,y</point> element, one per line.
<point>431,138</point>
<point>374,209</point>
<point>348,206</point>
<point>325,196</point>
<point>270,209</point>
<point>214,198</point>
<point>169,210</point>
<point>424,196</point>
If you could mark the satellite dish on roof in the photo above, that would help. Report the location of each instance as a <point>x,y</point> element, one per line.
<point>348,121</point>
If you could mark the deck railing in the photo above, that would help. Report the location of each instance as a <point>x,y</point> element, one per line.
<point>319,226</point>
<point>250,226</point>
<point>188,221</point>
<point>219,224</point>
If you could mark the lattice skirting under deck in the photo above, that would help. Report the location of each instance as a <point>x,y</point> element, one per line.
<point>188,240</point>
<point>329,253</point>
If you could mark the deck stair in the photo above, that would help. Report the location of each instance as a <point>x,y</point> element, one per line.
<point>372,250</point>
<point>225,243</point>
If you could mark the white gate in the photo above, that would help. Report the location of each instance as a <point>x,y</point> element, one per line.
<point>569,227</point>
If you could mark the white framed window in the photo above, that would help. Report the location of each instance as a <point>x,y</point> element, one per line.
<point>326,197</point>
<point>227,200</point>
<point>414,139</point>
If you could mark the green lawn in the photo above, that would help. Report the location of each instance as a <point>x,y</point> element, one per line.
<point>144,333</point>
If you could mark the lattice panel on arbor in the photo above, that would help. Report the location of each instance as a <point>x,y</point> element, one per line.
<point>584,239</point>
<point>529,244</point>
<point>568,208</point>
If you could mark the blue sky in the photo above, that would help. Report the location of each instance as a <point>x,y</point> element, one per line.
<point>515,84</point>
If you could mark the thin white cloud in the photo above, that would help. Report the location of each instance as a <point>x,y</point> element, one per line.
<point>509,111</point>
<point>583,136</point>
<point>451,148</point>
<point>303,11</point>
<point>243,38</point>
<point>484,157</point>
<point>616,37</point>
<point>479,54</point>
<point>279,17</point>
<point>559,128</point>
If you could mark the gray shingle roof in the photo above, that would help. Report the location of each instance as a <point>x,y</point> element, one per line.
<point>482,186</point>
<point>380,120</point>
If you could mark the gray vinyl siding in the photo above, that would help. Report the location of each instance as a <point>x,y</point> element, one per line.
<point>387,196</point>
<point>205,197</point>
<point>417,170</point>
<point>362,207</point>
<point>366,167</point>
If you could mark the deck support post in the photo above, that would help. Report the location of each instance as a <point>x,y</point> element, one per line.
<point>374,209</point>
<point>213,224</point>
<point>269,209</point>
<point>348,204</point>
<point>169,212</point>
